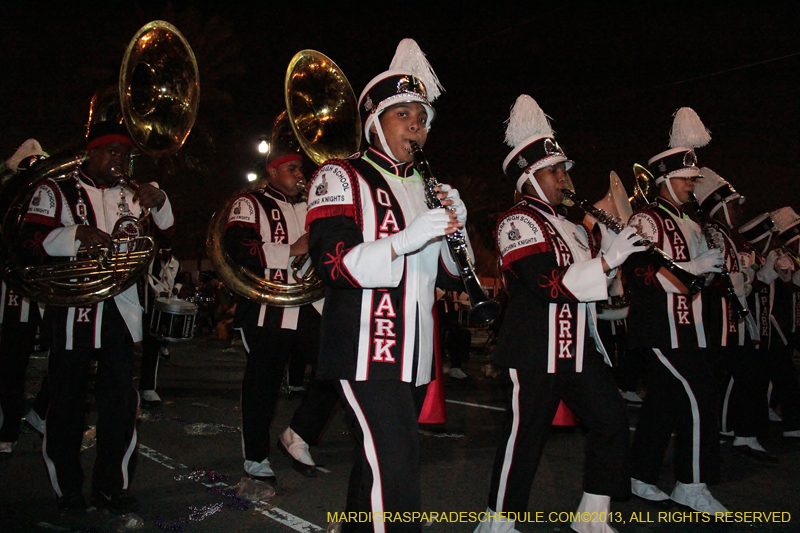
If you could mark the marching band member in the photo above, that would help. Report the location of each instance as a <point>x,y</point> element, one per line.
<point>63,216</point>
<point>730,339</point>
<point>549,339</point>
<point>160,283</point>
<point>667,323</point>
<point>265,232</point>
<point>19,318</point>
<point>380,251</point>
<point>782,269</point>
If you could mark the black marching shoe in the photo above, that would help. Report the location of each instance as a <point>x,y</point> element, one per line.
<point>761,456</point>
<point>71,505</point>
<point>118,502</point>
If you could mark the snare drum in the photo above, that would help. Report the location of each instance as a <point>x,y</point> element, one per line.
<point>173,319</point>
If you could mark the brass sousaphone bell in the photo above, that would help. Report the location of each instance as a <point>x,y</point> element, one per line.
<point>159,92</point>
<point>322,116</point>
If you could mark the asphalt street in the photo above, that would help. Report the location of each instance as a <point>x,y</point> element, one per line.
<point>189,457</point>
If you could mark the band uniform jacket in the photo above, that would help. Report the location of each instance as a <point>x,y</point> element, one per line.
<point>722,328</point>
<point>16,308</point>
<point>262,225</point>
<point>773,302</point>
<point>160,279</point>
<point>660,316</point>
<point>49,230</point>
<point>554,279</point>
<point>378,319</point>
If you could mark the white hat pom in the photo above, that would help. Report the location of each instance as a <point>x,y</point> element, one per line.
<point>526,120</point>
<point>688,130</point>
<point>409,57</point>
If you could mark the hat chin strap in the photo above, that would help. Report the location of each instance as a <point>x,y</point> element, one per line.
<point>538,188</point>
<point>672,192</point>
<point>382,137</point>
<point>727,215</point>
<point>766,245</point>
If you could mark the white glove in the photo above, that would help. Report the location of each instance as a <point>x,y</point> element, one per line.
<point>708,261</point>
<point>458,204</point>
<point>784,262</point>
<point>426,226</point>
<point>622,246</point>
<point>738,282</point>
<point>772,257</point>
<point>606,236</point>
<point>767,274</point>
<point>796,277</point>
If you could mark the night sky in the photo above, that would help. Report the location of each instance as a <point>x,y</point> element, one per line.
<point>610,77</point>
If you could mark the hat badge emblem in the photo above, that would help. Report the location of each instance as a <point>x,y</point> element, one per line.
<point>368,105</point>
<point>551,147</point>
<point>410,84</point>
<point>522,162</point>
<point>662,166</point>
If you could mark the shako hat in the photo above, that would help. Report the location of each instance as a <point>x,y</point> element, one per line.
<point>758,229</point>
<point>786,224</point>
<point>410,78</point>
<point>28,153</point>
<point>713,192</point>
<point>533,142</point>
<point>680,161</point>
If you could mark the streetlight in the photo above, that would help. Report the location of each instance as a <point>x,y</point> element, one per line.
<point>263,147</point>
<point>252,176</point>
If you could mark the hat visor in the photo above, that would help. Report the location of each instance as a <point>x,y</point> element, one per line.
<point>543,163</point>
<point>405,98</point>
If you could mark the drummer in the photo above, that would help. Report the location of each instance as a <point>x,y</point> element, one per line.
<point>160,283</point>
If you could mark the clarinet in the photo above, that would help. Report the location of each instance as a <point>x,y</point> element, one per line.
<point>692,283</point>
<point>739,311</point>
<point>483,310</point>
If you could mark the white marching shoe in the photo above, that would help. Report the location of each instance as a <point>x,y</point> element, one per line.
<point>597,506</point>
<point>646,491</point>
<point>697,497</point>
<point>493,523</point>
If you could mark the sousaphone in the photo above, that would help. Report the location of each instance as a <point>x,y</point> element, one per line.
<point>322,116</point>
<point>158,96</point>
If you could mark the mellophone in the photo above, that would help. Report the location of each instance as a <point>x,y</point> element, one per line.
<point>173,319</point>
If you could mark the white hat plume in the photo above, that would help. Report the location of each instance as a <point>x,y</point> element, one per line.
<point>526,120</point>
<point>409,57</point>
<point>688,130</point>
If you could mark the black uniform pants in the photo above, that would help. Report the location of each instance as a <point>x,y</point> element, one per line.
<point>593,397</point>
<point>116,400</point>
<point>785,387</point>
<point>745,409</point>
<point>385,476</point>
<point>681,397</point>
<point>268,350</point>
<point>150,351</point>
<point>16,345</point>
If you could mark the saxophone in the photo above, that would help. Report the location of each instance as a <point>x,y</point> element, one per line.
<point>692,283</point>
<point>483,310</point>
